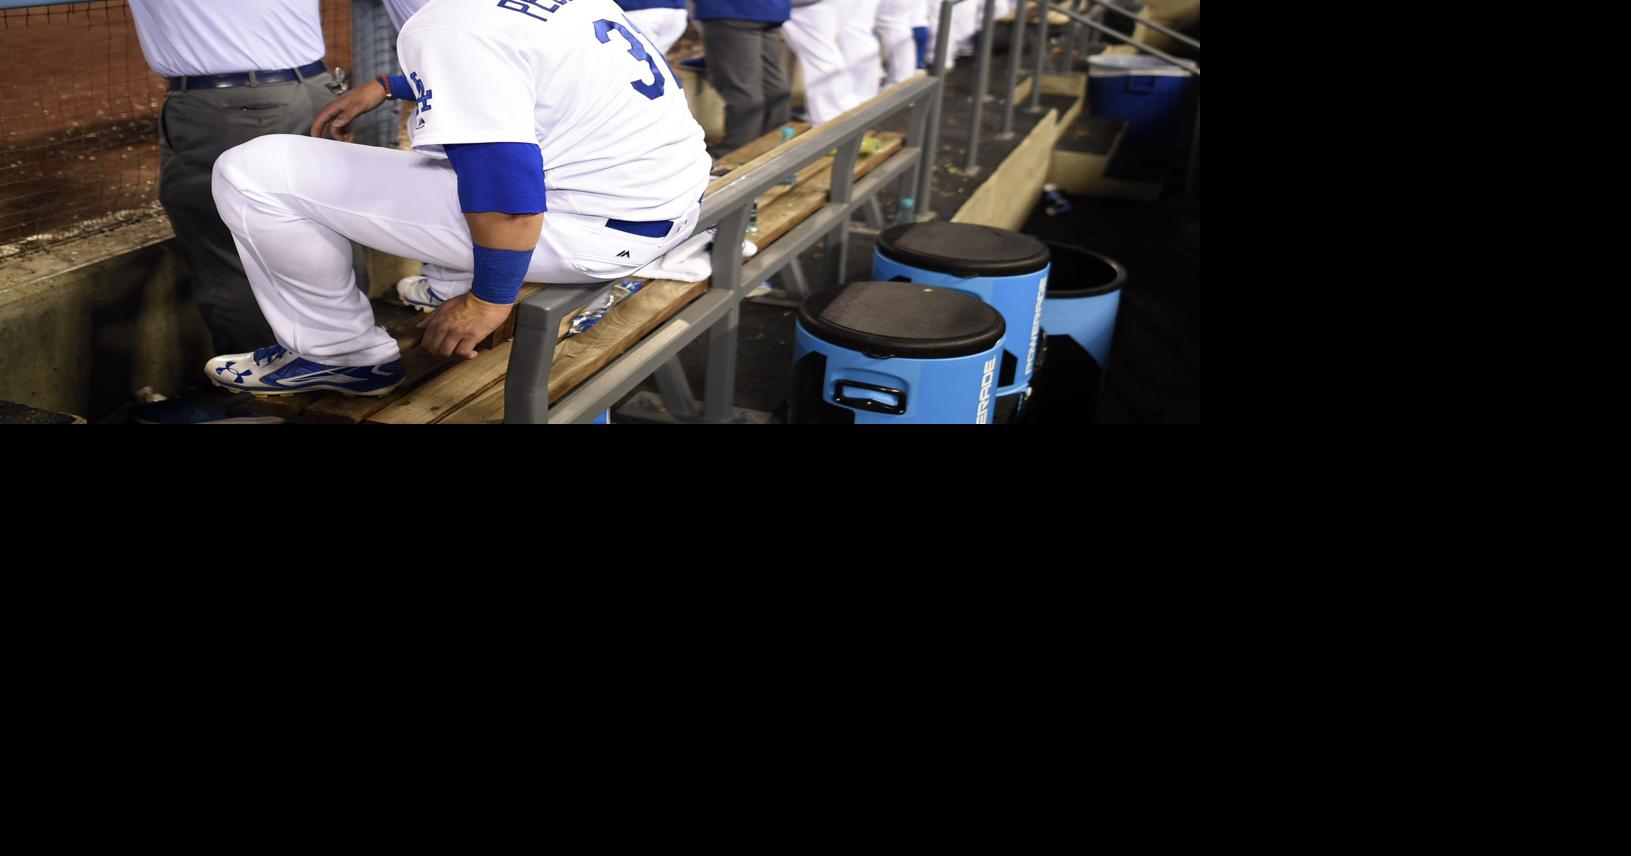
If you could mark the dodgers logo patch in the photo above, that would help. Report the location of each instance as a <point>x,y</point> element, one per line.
<point>424,94</point>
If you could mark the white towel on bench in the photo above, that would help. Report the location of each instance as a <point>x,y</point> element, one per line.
<point>692,261</point>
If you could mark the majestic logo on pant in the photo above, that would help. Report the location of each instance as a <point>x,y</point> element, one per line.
<point>624,255</point>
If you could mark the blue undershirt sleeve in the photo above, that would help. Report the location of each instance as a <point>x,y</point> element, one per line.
<point>503,177</point>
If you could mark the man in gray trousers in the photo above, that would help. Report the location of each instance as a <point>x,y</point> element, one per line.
<point>236,71</point>
<point>742,39</point>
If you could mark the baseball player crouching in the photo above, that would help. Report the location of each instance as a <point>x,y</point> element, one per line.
<point>551,143</point>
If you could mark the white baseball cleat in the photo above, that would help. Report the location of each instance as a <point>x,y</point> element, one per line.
<point>415,291</point>
<point>276,371</point>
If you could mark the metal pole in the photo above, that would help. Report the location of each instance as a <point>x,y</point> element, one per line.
<point>720,396</point>
<point>1041,56</point>
<point>931,141</point>
<point>1154,26</point>
<point>676,390</point>
<point>836,248</point>
<point>917,134</point>
<point>982,82</point>
<point>1016,45</point>
<point>1070,40</point>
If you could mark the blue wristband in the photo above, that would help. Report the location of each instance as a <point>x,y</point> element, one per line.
<point>499,274</point>
<point>397,87</point>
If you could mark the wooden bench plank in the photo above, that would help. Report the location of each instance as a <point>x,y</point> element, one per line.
<point>448,390</point>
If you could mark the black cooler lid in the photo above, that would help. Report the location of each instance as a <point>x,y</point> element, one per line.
<point>963,249</point>
<point>902,319</point>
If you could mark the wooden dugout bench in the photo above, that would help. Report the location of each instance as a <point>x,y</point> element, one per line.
<point>574,379</point>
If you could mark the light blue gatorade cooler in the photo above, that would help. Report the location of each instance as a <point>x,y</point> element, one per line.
<point>895,353</point>
<point>1005,269</point>
<point>1146,91</point>
<point>1078,321</point>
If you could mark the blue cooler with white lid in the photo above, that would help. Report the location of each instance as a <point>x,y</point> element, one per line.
<point>1146,91</point>
<point>894,353</point>
<point>1005,269</point>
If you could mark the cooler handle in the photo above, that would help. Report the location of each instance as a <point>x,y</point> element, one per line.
<point>870,404</point>
<point>1141,83</point>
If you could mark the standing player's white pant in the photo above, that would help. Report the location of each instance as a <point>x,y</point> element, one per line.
<point>663,26</point>
<point>859,42</point>
<point>294,204</point>
<point>966,19</point>
<point>835,45</point>
<point>896,18</point>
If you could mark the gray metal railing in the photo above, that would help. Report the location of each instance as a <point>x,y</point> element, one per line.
<point>717,312</point>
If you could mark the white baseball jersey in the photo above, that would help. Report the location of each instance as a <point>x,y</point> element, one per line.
<point>401,10</point>
<point>573,76</point>
<point>189,38</point>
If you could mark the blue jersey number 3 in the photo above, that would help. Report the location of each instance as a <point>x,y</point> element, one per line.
<point>603,31</point>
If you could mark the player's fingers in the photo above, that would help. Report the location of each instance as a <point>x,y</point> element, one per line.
<point>320,125</point>
<point>467,347</point>
<point>433,338</point>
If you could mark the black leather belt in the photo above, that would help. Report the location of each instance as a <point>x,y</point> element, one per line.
<point>247,78</point>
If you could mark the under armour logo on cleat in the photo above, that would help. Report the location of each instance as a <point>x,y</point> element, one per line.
<point>237,377</point>
<point>623,255</point>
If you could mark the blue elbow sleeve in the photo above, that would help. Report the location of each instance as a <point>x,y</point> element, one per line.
<point>502,177</point>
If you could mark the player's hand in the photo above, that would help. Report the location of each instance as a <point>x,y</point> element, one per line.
<point>335,119</point>
<point>460,324</point>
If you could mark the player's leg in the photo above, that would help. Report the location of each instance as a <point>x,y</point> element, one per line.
<point>735,71</point>
<point>294,204</point>
<point>895,21</point>
<point>965,22</point>
<point>812,33</point>
<point>196,127</point>
<point>859,43</point>
<point>778,92</point>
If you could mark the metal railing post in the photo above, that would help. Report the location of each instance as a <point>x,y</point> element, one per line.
<point>720,394</point>
<point>917,133</point>
<point>1070,39</point>
<point>982,82</point>
<point>1041,57</point>
<point>1016,46</point>
<point>931,137</point>
<point>836,250</point>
